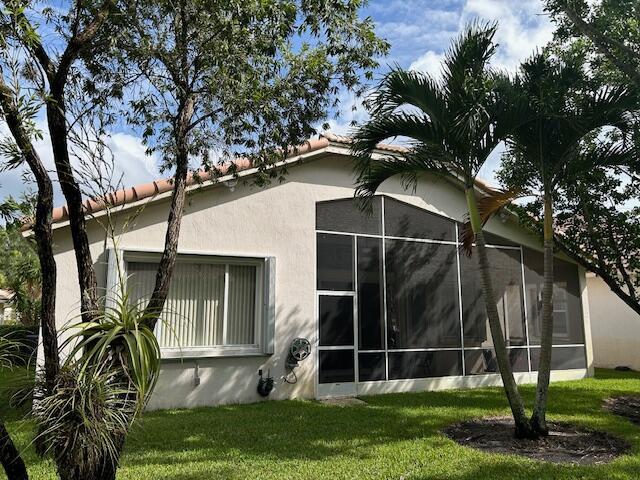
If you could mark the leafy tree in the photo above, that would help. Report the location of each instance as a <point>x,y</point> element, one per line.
<point>597,220</point>
<point>452,125</point>
<point>609,30</point>
<point>552,148</point>
<point>248,79</point>
<point>245,76</point>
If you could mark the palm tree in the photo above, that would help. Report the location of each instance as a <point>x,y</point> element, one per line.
<point>557,143</point>
<point>452,125</point>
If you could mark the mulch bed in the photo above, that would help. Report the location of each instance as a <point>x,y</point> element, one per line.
<point>565,444</point>
<point>626,406</point>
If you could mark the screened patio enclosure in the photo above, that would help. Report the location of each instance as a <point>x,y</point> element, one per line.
<point>398,300</point>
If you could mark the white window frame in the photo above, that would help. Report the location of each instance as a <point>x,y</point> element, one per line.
<point>264,308</point>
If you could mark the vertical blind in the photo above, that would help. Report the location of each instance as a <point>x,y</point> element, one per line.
<point>200,311</point>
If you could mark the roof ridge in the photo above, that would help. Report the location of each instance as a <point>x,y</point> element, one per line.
<point>157,187</point>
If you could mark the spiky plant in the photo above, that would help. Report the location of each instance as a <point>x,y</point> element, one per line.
<point>119,336</point>
<point>452,125</point>
<point>109,373</point>
<point>83,418</point>
<point>10,458</point>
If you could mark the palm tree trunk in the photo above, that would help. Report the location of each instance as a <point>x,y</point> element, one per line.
<point>522,426</point>
<point>538,419</point>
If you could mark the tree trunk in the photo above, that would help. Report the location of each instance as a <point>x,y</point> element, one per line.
<point>44,240</point>
<point>10,458</point>
<point>538,419</point>
<point>56,120</point>
<point>42,231</point>
<point>168,260</point>
<point>522,427</point>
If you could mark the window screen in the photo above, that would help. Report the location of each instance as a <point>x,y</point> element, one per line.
<point>345,215</point>
<point>194,313</point>
<point>424,364</point>
<point>336,366</point>
<point>422,295</point>
<point>404,220</point>
<point>335,262</point>
<point>506,274</point>
<point>567,305</point>
<point>480,362</point>
<point>370,308</point>
<point>492,239</point>
<point>371,367</point>
<point>562,358</point>
<point>336,320</point>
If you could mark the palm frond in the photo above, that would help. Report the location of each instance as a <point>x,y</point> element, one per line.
<point>401,88</point>
<point>417,127</point>
<point>488,206</point>
<point>466,60</point>
<point>602,154</point>
<point>453,129</point>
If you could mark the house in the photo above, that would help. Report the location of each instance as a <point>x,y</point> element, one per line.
<point>615,327</point>
<point>7,313</point>
<point>386,300</point>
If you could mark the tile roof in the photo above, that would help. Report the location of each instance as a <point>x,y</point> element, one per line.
<point>148,190</point>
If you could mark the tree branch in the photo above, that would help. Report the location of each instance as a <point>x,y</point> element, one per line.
<point>10,458</point>
<point>42,230</point>
<point>601,272</point>
<point>79,41</point>
<point>604,44</point>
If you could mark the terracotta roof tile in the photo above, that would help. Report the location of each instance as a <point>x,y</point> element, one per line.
<point>149,190</point>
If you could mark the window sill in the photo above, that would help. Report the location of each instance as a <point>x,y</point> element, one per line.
<point>209,352</point>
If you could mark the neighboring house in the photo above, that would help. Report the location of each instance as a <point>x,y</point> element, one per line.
<point>386,299</point>
<point>7,313</point>
<point>615,327</point>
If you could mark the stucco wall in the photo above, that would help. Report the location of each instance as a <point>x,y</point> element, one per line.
<point>276,221</point>
<point>614,326</point>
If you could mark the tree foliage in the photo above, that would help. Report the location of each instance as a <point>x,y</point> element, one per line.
<point>598,214</point>
<point>608,31</point>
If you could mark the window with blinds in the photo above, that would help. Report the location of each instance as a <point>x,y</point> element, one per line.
<point>211,303</point>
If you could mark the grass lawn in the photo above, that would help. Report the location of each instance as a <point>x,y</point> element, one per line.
<point>395,436</point>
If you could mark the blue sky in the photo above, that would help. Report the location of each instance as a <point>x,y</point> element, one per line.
<point>419,32</point>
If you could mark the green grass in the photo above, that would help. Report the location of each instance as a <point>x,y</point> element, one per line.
<point>395,436</point>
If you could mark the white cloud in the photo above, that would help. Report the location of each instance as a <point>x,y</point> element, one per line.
<point>430,62</point>
<point>523,26</point>
<point>131,164</point>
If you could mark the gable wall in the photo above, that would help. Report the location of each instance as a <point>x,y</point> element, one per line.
<point>277,221</point>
